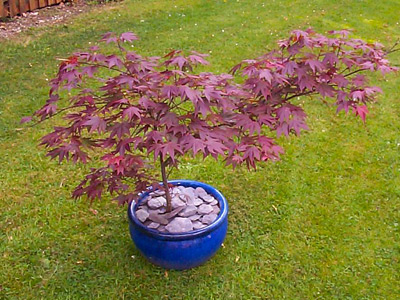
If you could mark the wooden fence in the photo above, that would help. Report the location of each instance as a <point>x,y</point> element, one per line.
<point>11,8</point>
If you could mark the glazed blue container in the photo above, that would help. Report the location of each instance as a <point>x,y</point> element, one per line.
<point>180,251</point>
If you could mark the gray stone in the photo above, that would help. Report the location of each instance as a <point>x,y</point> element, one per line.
<point>142,215</point>
<point>153,211</point>
<point>153,225</point>
<point>198,225</point>
<point>158,202</point>
<point>160,219</point>
<point>176,202</point>
<point>189,201</point>
<point>157,193</point>
<point>162,210</point>
<point>205,209</point>
<point>179,224</point>
<point>198,201</point>
<point>147,223</point>
<point>208,198</point>
<point>208,219</point>
<point>176,190</point>
<point>200,192</point>
<point>162,228</point>
<point>188,211</point>
<point>214,202</point>
<point>187,195</point>
<point>174,212</point>
<point>216,209</point>
<point>195,217</point>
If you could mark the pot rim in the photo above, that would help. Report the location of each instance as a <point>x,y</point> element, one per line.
<point>184,235</point>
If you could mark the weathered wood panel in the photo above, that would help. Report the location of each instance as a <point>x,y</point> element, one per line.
<point>13,7</point>
<point>33,4</point>
<point>22,4</point>
<point>3,12</point>
<point>42,3</point>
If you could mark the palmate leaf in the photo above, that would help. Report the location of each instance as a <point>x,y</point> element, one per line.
<point>131,112</point>
<point>170,149</point>
<point>315,65</point>
<point>361,111</point>
<point>214,146</point>
<point>128,37</point>
<point>96,124</point>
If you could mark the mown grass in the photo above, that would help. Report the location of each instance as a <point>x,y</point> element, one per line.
<point>323,223</point>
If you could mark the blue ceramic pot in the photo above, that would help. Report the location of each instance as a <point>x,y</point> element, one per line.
<point>180,251</point>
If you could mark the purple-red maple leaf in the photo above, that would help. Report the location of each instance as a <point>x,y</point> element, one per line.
<point>361,111</point>
<point>96,124</point>
<point>128,37</point>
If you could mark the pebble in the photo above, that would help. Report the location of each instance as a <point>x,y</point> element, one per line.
<point>198,225</point>
<point>208,198</point>
<point>195,217</point>
<point>208,219</point>
<point>188,211</point>
<point>189,188</point>
<point>176,190</point>
<point>188,196</point>
<point>214,202</point>
<point>142,215</point>
<point>162,210</point>
<point>152,211</point>
<point>158,218</point>
<point>216,209</point>
<point>176,202</point>
<point>147,223</point>
<point>179,225</point>
<point>174,212</point>
<point>198,201</point>
<point>156,202</point>
<point>157,193</point>
<point>205,209</point>
<point>162,228</point>
<point>153,225</point>
<point>200,192</point>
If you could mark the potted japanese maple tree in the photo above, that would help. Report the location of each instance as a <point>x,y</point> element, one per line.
<point>132,112</point>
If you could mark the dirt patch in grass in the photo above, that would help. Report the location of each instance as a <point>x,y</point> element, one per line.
<point>11,27</point>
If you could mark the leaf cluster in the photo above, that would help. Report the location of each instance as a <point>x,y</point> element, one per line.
<point>145,109</point>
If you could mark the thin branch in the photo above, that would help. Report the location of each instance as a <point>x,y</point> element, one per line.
<point>393,48</point>
<point>301,94</point>
<point>55,114</point>
<point>354,72</point>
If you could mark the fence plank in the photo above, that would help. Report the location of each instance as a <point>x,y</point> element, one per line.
<point>14,9</point>
<point>2,9</point>
<point>22,6</point>
<point>33,4</point>
<point>42,3</point>
<point>51,2</point>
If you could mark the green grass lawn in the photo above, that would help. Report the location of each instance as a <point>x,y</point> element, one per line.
<point>323,223</point>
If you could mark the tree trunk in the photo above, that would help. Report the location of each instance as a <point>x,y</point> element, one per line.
<point>165,184</point>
